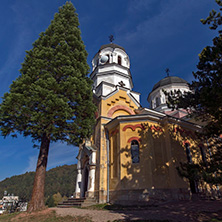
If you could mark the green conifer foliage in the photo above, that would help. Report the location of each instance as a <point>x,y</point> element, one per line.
<point>52,98</point>
<point>204,103</point>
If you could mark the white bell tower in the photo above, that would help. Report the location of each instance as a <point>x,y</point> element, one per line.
<point>111,68</point>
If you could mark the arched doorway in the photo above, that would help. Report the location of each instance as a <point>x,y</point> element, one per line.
<point>85,180</point>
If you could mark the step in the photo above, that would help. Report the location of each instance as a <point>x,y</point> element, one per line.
<point>73,201</point>
<point>82,198</point>
<point>90,201</point>
<point>62,203</point>
<point>77,202</point>
<point>68,206</point>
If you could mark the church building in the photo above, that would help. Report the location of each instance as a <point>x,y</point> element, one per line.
<point>134,151</point>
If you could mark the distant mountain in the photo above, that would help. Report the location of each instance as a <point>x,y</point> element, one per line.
<point>61,179</point>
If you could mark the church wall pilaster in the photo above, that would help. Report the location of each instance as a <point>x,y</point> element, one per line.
<point>78,180</point>
<point>91,181</point>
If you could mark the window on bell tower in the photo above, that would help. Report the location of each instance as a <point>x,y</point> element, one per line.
<point>108,58</point>
<point>119,60</point>
<point>157,101</point>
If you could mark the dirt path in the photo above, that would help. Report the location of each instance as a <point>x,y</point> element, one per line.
<point>95,215</point>
<point>180,211</point>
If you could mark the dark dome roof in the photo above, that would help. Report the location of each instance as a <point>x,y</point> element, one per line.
<point>169,80</point>
<point>112,45</point>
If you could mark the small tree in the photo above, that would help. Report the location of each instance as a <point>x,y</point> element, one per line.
<point>50,202</point>
<point>204,103</point>
<point>52,98</point>
<point>57,198</point>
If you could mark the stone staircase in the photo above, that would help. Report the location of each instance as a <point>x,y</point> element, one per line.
<point>77,202</point>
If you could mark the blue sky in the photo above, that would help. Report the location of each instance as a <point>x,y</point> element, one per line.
<point>156,34</point>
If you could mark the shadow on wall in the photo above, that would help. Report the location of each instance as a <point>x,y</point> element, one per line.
<point>154,175</point>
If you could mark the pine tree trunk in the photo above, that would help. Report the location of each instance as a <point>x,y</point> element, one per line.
<point>37,202</point>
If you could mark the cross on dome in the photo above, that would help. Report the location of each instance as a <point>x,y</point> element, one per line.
<point>167,71</point>
<point>111,38</point>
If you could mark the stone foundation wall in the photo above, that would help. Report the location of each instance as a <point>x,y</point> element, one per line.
<point>140,196</point>
<point>100,196</point>
<point>90,194</point>
<point>76,195</point>
<point>132,197</point>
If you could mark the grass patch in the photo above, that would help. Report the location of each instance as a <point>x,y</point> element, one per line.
<point>7,217</point>
<point>215,220</point>
<point>41,217</point>
<point>143,220</point>
<point>97,207</point>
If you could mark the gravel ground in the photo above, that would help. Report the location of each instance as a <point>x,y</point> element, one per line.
<point>179,211</point>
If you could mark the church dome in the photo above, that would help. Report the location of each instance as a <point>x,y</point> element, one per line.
<point>168,81</point>
<point>111,45</point>
<point>111,54</point>
<point>157,97</point>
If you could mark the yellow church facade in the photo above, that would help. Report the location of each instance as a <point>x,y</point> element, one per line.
<point>134,151</point>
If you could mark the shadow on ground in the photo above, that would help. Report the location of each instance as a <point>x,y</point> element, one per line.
<point>184,211</point>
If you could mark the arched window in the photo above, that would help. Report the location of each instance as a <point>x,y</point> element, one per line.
<point>153,104</point>
<point>203,154</point>
<point>189,158</point>
<point>157,101</point>
<point>108,58</point>
<point>119,60</point>
<point>135,151</point>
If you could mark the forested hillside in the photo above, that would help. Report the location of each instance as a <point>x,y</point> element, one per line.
<point>58,180</point>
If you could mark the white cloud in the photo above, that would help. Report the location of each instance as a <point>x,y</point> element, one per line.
<point>165,20</point>
<point>136,6</point>
<point>10,69</point>
<point>15,56</point>
<point>6,152</point>
<point>31,164</point>
<point>59,154</point>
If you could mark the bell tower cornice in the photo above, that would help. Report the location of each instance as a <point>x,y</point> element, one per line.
<point>103,70</point>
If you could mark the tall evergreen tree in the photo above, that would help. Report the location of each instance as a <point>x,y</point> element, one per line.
<point>51,100</point>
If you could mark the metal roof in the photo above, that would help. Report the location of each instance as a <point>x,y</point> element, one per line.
<point>169,80</point>
<point>111,45</point>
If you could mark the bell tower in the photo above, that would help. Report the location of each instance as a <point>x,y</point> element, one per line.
<point>111,68</point>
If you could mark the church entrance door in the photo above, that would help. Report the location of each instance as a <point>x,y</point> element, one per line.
<point>85,180</point>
